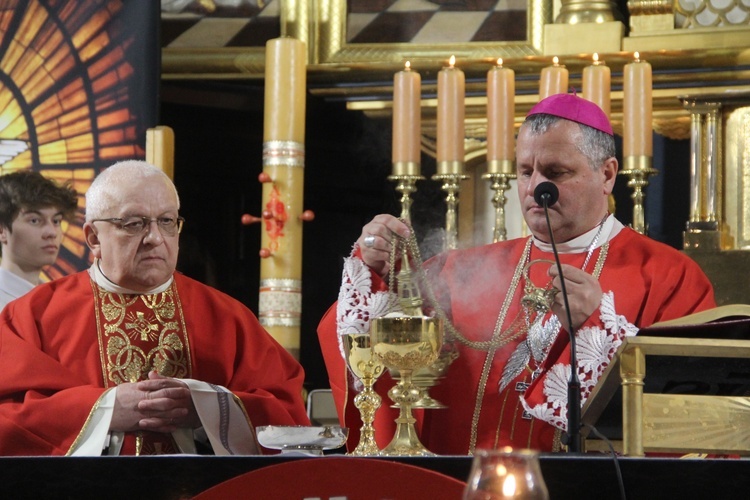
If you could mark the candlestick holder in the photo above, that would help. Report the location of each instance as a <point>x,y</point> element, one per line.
<point>499,184</point>
<point>452,186</point>
<point>505,473</point>
<point>638,169</point>
<point>406,185</point>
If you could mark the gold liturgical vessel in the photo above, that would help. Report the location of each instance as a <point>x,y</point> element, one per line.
<point>406,342</point>
<point>367,368</point>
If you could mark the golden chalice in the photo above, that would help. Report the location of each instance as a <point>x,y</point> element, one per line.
<point>367,368</point>
<point>406,344</point>
<point>429,376</point>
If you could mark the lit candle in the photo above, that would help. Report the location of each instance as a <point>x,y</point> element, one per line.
<point>596,84</point>
<point>406,121</point>
<point>637,106</point>
<point>284,115</point>
<point>450,117</point>
<point>501,93</point>
<point>553,80</point>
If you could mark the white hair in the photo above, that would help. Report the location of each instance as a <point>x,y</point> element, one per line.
<point>102,194</point>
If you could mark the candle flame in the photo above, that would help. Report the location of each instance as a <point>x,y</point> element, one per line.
<point>500,61</point>
<point>596,58</point>
<point>555,61</point>
<point>407,65</point>
<point>510,488</point>
<point>637,56</point>
<point>452,61</point>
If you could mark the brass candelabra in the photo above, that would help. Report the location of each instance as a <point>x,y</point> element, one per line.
<point>638,169</point>
<point>499,184</point>
<point>452,186</point>
<point>406,185</point>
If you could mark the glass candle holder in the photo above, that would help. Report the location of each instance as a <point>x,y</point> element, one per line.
<point>505,473</point>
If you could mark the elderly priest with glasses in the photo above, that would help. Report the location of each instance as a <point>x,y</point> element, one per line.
<point>131,358</point>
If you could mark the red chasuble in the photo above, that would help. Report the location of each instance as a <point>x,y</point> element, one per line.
<point>66,341</point>
<point>643,282</point>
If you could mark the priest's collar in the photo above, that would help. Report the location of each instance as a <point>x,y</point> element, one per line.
<point>610,226</point>
<point>95,271</point>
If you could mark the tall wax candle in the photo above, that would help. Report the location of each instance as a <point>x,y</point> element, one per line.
<point>406,121</point>
<point>553,79</point>
<point>284,112</point>
<point>501,94</point>
<point>597,84</point>
<point>280,291</point>
<point>637,109</point>
<point>450,118</point>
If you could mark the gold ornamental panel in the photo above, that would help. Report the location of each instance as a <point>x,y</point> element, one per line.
<point>737,164</point>
<point>674,423</point>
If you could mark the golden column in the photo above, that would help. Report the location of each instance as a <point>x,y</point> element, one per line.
<point>160,149</point>
<point>280,299</point>
<point>703,229</point>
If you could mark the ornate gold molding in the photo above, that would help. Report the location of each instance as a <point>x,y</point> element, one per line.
<point>329,20</point>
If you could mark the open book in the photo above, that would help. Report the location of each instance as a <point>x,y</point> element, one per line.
<point>729,311</point>
<point>731,321</point>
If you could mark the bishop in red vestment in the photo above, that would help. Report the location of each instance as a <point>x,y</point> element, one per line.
<point>508,383</point>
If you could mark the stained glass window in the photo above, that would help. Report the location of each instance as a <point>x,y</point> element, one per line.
<point>77,93</point>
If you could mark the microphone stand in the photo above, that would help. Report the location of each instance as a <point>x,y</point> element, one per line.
<point>574,383</point>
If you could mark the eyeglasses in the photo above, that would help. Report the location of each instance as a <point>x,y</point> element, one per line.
<point>136,225</point>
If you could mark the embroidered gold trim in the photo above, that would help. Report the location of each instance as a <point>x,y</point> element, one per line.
<point>557,441</point>
<point>86,423</point>
<point>500,419</point>
<point>135,338</point>
<point>531,431</point>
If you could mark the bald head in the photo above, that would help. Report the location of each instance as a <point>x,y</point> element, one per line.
<point>105,194</point>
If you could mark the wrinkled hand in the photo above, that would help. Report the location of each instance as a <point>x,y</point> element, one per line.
<point>584,295</point>
<point>159,404</point>
<point>380,230</point>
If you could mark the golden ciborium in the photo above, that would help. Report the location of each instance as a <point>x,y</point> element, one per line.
<point>406,344</point>
<point>367,368</point>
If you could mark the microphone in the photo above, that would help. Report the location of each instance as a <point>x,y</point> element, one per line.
<point>546,194</point>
